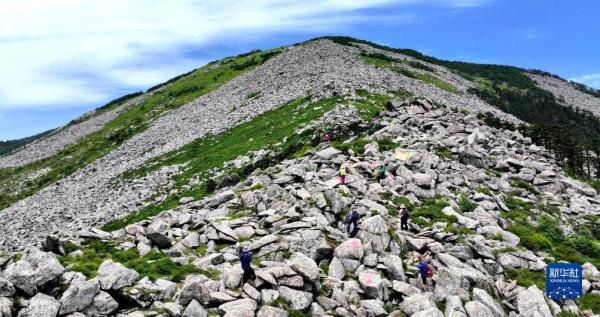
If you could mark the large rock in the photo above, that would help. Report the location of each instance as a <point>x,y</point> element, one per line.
<point>6,307</point>
<point>7,289</point>
<point>374,230</point>
<point>35,269</point>
<point>102,305</point>
<point>532,301</point>
<point>269,311</point>
<point>494,231</point>
<point>454,307</point>
<point>350,249</point>
<point>299,300</point>
<point>371,283</point>
<point>374,307</point>
<point>113,275</point>
<point>393,264</point>
<point>79,296</point>
<point>40,305</point>
<point>240,307</point>
<point>485,298</point>
<point>194,309</point>
<point>304,265</point>
<point>53,244</point>
<point>416,303</point>
<point>477,309</point>
<point>193,289</point>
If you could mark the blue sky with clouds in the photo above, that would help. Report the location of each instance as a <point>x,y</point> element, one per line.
<point>61,58</point>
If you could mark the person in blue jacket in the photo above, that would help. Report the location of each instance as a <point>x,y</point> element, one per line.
<point>246,260</point>
<point>423,268</point>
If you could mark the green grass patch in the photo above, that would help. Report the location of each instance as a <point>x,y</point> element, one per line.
<point>485,191</point>
<point>129,123</point>
<point>519,183</point>
<point>465,204</point>
<point>444,153</point>
<point>526,278</point>
<point>153,265</point>
<point>383,61</point>
<point>590,301</point>
<point>431,209</point>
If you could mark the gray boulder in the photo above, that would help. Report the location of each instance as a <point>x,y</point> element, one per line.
<point>194,309</point>
<point>240,307</point>
<point>374,307</point>
<point>53,244</point>
<point>40,305</point>
<point>6,306</point>
<point>477,309</point>
<point>102,305</point>
<point>113,275</point>
<point>7,288</point>
<point>305,266</point>
<point>269,311</point>
<point>79,296</point>
<point>349,249</point>
<point>531,302</point>
<point>417,303</point>
<point>485,298</point>
<point>299,300</point>
<point>35,269</point>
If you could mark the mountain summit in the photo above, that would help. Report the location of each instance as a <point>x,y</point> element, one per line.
<point>141,206</point>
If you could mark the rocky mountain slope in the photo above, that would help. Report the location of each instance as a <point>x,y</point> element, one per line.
<point>231,155</point>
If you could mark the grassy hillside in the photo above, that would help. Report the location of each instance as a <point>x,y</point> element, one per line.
<point>17,183</point>
<point>273,130</point>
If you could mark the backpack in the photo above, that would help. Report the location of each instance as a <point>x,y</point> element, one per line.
<point>429,270</point>
<point>353,215</point>
<point>342,172</point>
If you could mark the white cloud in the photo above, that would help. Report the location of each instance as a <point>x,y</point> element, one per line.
<point>69,52</point>
<point>592,80</point>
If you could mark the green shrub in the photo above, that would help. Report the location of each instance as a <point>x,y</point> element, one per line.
<point>590,301</point>
<point>526,278</point>
<point>530,239</point>
<point>443,152</point>
<point>551,229</point>
<point>519,183</point>
<point>154,264</point>
<point>485,191</point>
<point>584,243</point>
<point>465,204</point>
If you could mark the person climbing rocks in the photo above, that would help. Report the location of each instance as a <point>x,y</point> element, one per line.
<point>381,173</point>
<point>342,174</point>
<point>245,260</point>
<point>352,223</point>
<point>425,272</point>
<point>403,218</point>
<point>326,137</point>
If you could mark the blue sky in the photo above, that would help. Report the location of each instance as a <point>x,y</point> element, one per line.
<point>61,58</point>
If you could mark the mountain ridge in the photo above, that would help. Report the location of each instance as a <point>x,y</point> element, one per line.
<point>146,216</point>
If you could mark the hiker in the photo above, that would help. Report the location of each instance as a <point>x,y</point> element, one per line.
<point>381,173</point>
<point>403,218</point>
<point>246,259</point>
<point>342,174</point>
<point>326,137</point>
<point>352,223</point>
<point>425,272</point>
